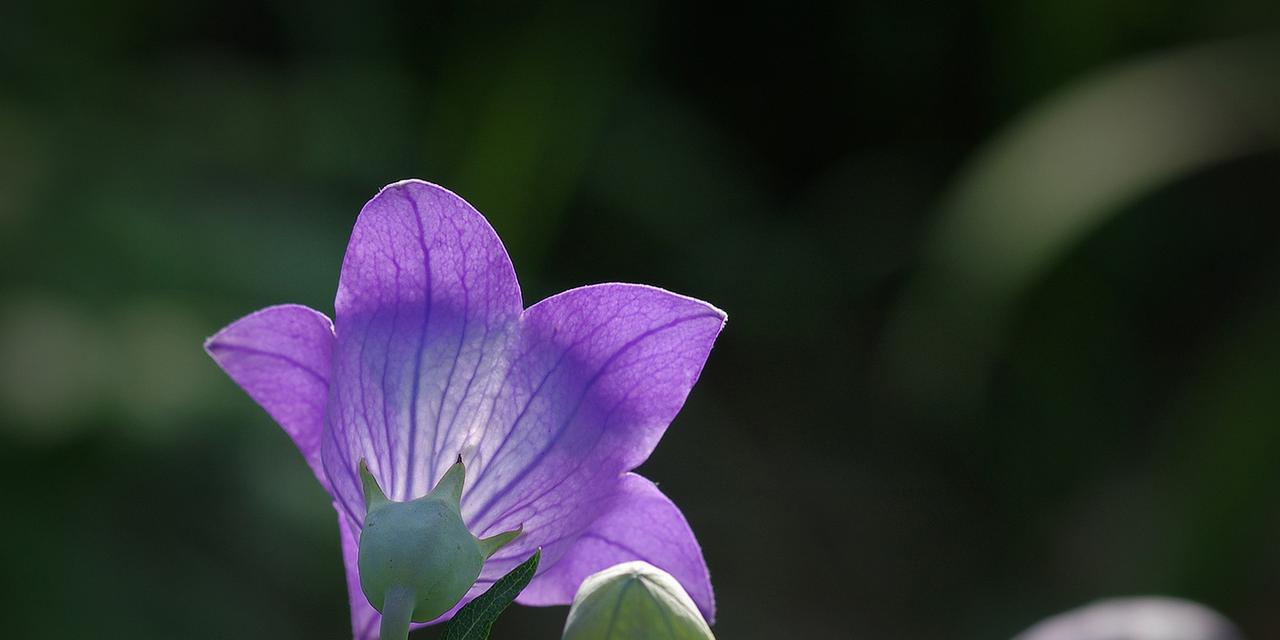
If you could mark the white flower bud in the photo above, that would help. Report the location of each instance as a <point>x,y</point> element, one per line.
<point>1146,618</point>
<point>634,601</point>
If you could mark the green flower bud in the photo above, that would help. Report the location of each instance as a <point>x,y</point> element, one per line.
<point>634,601</point>
<point>417,558</point>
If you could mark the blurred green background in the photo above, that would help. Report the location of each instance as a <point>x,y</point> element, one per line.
<point>1002,277</point>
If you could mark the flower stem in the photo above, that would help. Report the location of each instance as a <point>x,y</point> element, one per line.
<point>397,611</point>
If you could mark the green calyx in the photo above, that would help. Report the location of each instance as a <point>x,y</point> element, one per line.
<point>417,558</point>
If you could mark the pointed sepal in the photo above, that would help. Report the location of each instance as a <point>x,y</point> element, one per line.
<point>490,545</point>
<point>373,495</point>
<point>450,486</point>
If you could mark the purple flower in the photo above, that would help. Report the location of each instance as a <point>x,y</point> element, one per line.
<point>433,356</point>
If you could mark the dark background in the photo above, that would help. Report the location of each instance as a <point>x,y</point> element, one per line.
<point>1002,280</point>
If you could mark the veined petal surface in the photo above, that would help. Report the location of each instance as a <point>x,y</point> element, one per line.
<point>364,618</point>
<point>281,357</point>
<point>597,375</point>
<point>427,303</point>
<point>641,524</point>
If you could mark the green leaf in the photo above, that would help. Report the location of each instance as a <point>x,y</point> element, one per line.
<point>1052,179</point>
<point>475,619</point>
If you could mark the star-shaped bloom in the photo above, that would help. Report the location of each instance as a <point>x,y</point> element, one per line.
<point>433,356</point>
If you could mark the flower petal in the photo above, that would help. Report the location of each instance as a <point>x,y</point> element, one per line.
<point>426,306</point>
<point>365,620</point>
<point>598,375</point>
<point>643,524</point>
<point>281,357</point>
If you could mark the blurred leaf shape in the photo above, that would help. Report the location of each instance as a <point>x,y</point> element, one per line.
<point>54,366</point>
<point>61,363</point>
<point>521,135</point>
<point>1222,444</point>
<point>166,379</point>
<point>24,163</point>
<point>1053,177</point>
